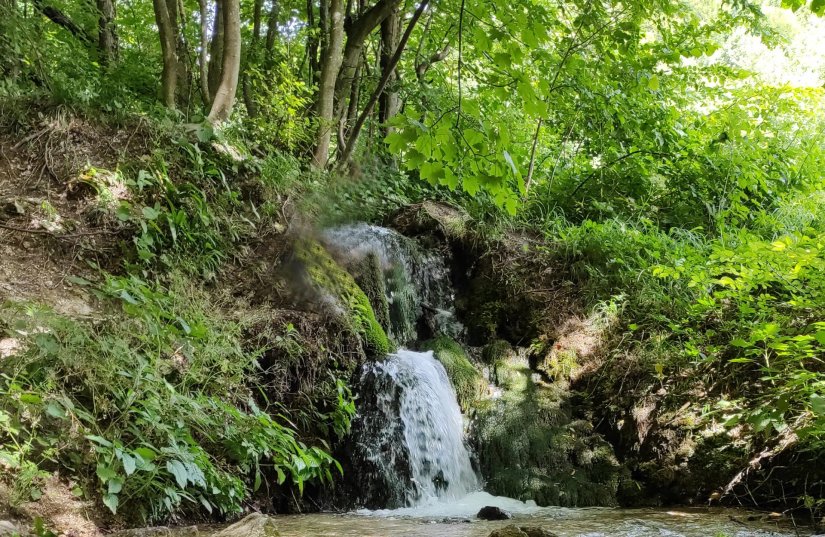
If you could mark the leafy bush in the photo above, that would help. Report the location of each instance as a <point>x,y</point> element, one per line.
<point>154,407</point>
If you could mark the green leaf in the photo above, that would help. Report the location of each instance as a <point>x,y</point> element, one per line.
<point>818,404</point>
<point>150,213</point>
<point>99,440</point>
<point>105,472</point>
<point>111,501</point>
<point>115,485</point>
<point>653,83</point>
<point>55,410</point>
<point>177,469</point>
<point>129,464</point>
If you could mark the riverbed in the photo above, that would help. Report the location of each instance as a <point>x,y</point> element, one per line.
<point>587,522</point>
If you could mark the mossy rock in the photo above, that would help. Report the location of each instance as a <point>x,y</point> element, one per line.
<point>531,448</point>
<point>467,381</point>
<point>339,287</point>
<point>496,351</point>
<point>370,278</point>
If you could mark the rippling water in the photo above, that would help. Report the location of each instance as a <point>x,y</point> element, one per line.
<point>596,522</point>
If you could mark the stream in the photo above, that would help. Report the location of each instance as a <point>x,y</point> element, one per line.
<point>564,522</point>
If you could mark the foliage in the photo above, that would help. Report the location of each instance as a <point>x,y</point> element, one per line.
<point>152,407</point>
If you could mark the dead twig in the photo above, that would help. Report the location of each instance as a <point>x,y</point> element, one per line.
<point>59,236</point>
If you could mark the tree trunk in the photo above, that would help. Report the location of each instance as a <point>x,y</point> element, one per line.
<point>326,88</point>
<point>312,45</point>
<point>252,59</point>
<point>107,40</point>
<point>231,66</point>
<point>216,49</point>
<point>170,58</point>
<point>393,62</point>
<point>203,58</point>
<point>357,34</point>
<point>184,75</point>
<point>389,103</point>
<point>271,32</point>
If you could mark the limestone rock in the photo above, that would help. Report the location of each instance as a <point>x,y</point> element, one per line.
<point>522,531</point>
<point>508,531</point>
<point>254,525</point>
<point>431,217</point>
<point>491,512</point>
<point>7,529</point>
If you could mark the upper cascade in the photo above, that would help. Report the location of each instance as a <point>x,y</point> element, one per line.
<point>416,281</point>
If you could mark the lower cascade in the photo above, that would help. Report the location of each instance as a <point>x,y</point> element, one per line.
<point>410,435</point>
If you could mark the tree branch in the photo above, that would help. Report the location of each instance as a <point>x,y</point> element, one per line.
<point>61,19</point>
<point>356,129</point>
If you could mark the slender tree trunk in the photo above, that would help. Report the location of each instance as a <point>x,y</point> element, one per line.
<point>389,102</point>
<point>184,75</point>
<point>271,34</point>
<point>352,110</point>
<point>532,166</point>
<point>231,67</point>
<point>326,88</point>
<point>203,57</point>
<point>167,47</point>
<point>252,59</point>
<point>312,45</point>
<point>382,84</point>
<point>107,40</point>
<point>216,49</point>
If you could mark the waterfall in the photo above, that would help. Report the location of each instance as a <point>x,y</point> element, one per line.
<point>410,434</point>
<point>416,280</point>
<point>407,443</point>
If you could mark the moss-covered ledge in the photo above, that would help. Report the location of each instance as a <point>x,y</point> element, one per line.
<point>336,285</point>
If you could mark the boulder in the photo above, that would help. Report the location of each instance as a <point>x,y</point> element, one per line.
<point>522,531</point>
<point>254,525</point>
<point>7,529</point>
<point>431,217</point>
<point>491,512</point>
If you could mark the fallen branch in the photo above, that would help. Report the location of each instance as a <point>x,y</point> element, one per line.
<point>56,235</point>
<point>787,439</point>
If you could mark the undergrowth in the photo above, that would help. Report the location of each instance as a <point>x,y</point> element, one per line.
<point>154,407</point>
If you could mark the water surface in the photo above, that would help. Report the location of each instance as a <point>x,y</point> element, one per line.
<point>587,522</point>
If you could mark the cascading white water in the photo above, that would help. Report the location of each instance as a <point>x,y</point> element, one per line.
<point>431,429</point>
<point>408,440</point>
<point>415,278</point>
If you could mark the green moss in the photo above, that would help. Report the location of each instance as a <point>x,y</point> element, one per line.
<point>530,447</point>
<point>496,351</point>
<point>370,279</point>
<point>468,383</point>
<point>335,282</point>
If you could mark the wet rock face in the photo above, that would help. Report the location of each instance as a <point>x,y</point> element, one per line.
<point>379,405</point>
<point>491,512</point>
<point>522,531</point>
<point>529,445</point>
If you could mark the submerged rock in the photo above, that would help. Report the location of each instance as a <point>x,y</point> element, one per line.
<point>254,525</point>
<point>522,531</point>
<point>491,512</point>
